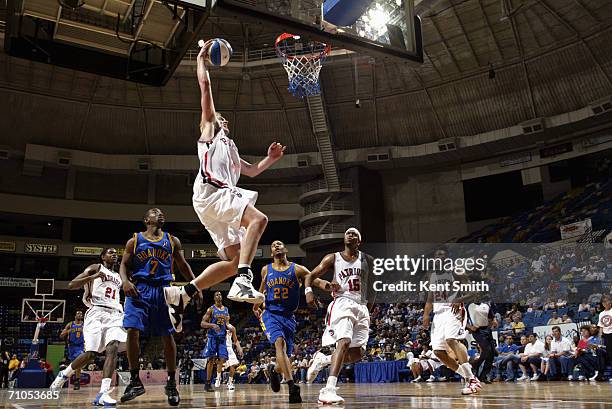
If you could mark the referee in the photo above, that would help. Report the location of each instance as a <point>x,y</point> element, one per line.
<point>480,322</point>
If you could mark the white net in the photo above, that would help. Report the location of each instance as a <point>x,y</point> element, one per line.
<point>302,61</point>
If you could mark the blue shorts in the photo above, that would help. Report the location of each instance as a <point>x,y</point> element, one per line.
<point>148,311</point>
<point>215,347</point>
<point>74,351</point>
<point>279,326</point>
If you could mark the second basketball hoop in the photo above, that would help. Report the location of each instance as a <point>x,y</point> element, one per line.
<point>302,61</point>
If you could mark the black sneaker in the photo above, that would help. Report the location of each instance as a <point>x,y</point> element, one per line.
<point>294,394</point>
<point>275,380</point>
<point>133,390</point>
<point>77,385</point>
<point>173,396</point>
<point>208,388</point>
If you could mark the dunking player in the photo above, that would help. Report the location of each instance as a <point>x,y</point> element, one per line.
<point>348,316</point>
<point>215,321</point>
<point>281,281</point>
<point>232,360</point>
<point>227,211</point>
<point>103,328</point>
<point>448,329</point>
<point>149,256</point>
<point>76,343</point>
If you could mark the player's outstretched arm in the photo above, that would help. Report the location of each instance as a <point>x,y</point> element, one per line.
<point>324,266</point>
<point>208,105</point>
<point>88,275</point>
<point>184,267</point>
<point>427,310</point>
<point>126,266</point>
<point>275,152</point>
<point>262,287</point>
<point>180,261</point>
<point>302,272</point>
<point>66,330</point>
<point>235,340</point>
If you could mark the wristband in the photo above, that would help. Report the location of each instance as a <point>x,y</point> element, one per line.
<point>307,290</point>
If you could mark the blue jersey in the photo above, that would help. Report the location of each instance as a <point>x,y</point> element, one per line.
<point>220,316</point>
<point>152,260</point>
<point>282,290</point>
<point>75,336</point>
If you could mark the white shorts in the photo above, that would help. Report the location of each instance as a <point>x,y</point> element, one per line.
<point>232,359</point>
<point>346,319</point>
<point>220,211</point>
<point>101,327</point>
<point>447,325</point>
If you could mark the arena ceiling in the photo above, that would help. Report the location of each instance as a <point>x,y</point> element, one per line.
<point>548,57</point>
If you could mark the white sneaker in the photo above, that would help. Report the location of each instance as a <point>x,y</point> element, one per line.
<point>442,379</point>
<point>471,387</point>
<point>523,378</point>
<point>581,378</point>
<point>176,299</point>
<point>104,399</point>
<point>328,396</point>
<point>570,377</point>
<point>417,379</point>
<point>535,377</point>
<point>242,290</point>
<point>230,386</point>
<point>59,382</point>
<point>431,379</point>
<point>318,363</point>
<point>594,377</point>
<point>217,382</point>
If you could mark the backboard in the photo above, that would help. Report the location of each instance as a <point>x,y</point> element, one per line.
<point>387,29</point>
<point>33,309</point>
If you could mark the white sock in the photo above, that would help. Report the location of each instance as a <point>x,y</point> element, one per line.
<point>331,381</point>
<point>244,265</point>
<point>327,360</point>
<point>467,369</point>
<point>68,371</point>
<point>105,386</point>
<point>461,371</point>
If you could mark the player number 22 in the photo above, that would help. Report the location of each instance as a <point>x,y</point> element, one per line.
<point>278,295</point>
<point>108,292</point>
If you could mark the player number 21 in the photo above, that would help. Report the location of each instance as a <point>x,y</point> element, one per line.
<point>108,292</point>
<point>278,295</point>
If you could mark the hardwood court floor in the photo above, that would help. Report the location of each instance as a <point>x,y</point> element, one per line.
<point>537,395</point>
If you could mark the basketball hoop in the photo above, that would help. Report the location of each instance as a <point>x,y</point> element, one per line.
<point>302,61</point>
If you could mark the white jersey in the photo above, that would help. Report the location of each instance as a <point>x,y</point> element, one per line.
<point>219,162</point>
<point>104,291</point>
<point>442,300</point>
<point>348,276</point>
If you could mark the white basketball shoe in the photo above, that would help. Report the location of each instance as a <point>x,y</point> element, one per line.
<point>242,290</point>
<point>318,363</point>
<point>328,396</point>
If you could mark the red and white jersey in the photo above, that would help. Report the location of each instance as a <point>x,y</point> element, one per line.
<point>442,300</point>
<point>104,291</point>
<point>219,162</point>
<point>348,276</point>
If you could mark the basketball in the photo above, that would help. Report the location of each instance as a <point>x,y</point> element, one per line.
<point>219,52</point>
